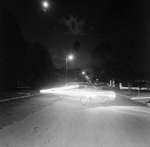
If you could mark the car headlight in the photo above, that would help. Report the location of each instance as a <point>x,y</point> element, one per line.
<point>93,95</point>
<point>110,94</point>
<point>113,94</point>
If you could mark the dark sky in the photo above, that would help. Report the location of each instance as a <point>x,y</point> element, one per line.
<point>64,22</point>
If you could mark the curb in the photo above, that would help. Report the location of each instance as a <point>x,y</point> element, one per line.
<point>129,97</point>
<point>15,98</point>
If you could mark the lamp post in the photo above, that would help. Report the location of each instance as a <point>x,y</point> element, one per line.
<point>87,78</point>
<point>68,57</point>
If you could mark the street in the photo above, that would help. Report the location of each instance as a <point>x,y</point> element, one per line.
<point>45,121</point>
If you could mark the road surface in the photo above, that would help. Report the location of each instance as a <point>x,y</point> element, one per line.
<point>44,121</point>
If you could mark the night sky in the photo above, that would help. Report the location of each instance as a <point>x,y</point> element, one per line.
<point>59,27</point>
<point>63,23</point>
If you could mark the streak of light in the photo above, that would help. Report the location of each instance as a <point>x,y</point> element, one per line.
<point>55,90</point>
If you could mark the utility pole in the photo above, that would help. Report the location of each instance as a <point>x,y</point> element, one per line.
<point>76,69</point>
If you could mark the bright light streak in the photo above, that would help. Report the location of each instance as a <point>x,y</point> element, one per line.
<point>74,94</point>
<point>81,92</point>
<point>93,95</point>
<point>55,90</point>
<point>108,94</point>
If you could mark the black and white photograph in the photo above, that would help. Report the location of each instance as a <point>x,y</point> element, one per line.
<point>74,73</point>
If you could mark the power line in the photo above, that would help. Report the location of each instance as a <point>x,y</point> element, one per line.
<point>57,65</point>
<point>59,46</point>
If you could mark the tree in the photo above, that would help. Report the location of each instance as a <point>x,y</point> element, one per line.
<point>102,62</point>
<point>12,48</point>
<point>87,73</point>
<point>40,70</point>
<point>76,47</point>
<point>122,50</point>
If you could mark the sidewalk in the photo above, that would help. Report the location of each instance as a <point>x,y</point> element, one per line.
<point>17,94</point>
<point>141,97</point>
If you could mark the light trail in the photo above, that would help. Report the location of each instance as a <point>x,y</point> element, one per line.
<point>55,90</point>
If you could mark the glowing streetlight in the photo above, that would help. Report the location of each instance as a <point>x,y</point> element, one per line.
<point>70,57</point>
<point>87,78</point>
<point>83,72</point>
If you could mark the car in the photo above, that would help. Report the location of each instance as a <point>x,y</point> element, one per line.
<point>86,93</point>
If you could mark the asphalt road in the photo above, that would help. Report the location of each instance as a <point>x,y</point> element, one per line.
<point>44,121</point>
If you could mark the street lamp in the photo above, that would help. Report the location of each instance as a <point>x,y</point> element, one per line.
<point>68,57</point>
<point>83,72</point>
<point>87,78</point>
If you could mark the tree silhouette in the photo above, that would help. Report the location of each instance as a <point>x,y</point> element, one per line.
<point>87,73</point>
<point>39,65</point>
<point>122,49</point>
<point>12,48</point>
<point>76,47</point>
